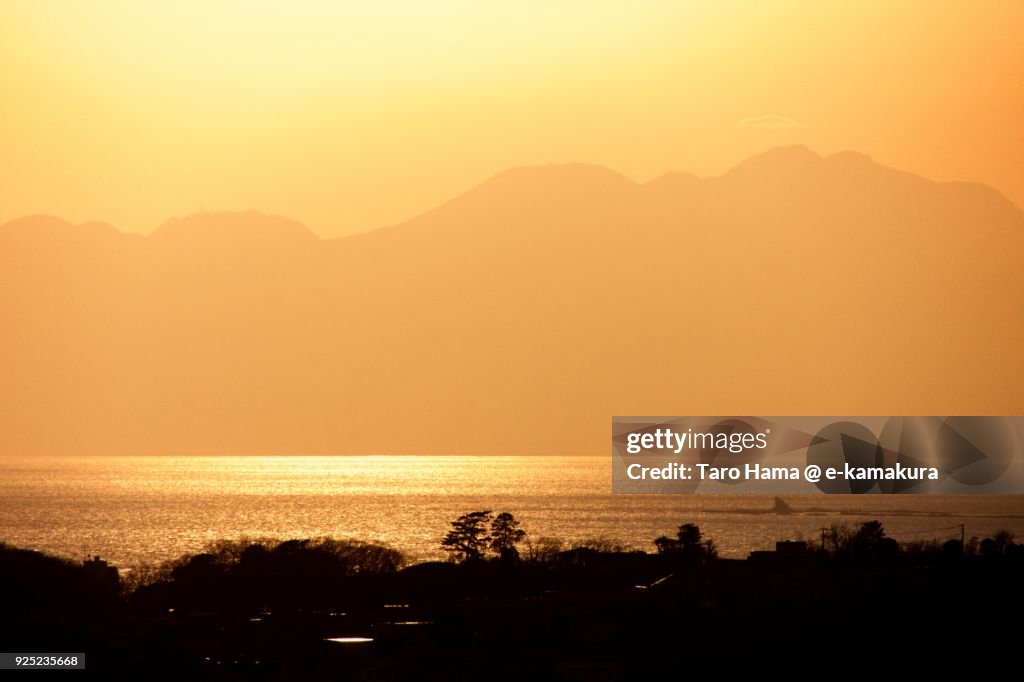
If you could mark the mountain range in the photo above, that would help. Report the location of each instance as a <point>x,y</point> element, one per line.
<point>518,317</point>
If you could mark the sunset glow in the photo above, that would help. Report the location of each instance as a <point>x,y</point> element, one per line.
<point>350,116</point>
<point>318,319</point>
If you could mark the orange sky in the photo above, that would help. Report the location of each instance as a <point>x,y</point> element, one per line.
<point>351,117</point>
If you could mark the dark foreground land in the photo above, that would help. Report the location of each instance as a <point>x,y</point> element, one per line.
<point>269,610</point>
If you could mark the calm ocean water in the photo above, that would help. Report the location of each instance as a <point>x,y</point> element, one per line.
<point>149,509</point>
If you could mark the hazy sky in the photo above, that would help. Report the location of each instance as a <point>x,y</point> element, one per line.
<point>349,116</point>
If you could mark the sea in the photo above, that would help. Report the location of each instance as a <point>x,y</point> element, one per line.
<point>136,511</point>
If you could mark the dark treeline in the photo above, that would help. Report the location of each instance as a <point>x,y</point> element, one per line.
<point>510,606</point>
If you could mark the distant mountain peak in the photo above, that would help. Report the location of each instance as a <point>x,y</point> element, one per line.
<point>547,290</point>
<point>547,189</point>
<point>41,224</point>
<point>556,177</point>
<point>231,227</point>
<point>850,156</point>
<point>569,170</point>
<point>788,159</point>
<point>39,221</point>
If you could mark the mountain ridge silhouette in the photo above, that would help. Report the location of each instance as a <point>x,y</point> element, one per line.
<point>765,163</point>
<point>517,317</point>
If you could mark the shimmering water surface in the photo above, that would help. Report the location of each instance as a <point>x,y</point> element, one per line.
<point>148,509</point>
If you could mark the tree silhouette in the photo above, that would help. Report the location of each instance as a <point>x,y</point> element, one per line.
<point>1003,540</point>
<point>689,534</point>
<point>988,547</point>
<point>665,544</point>
<point>868,539</point>
<point>688,543</point>
<point>865,540</point>
<point>544,549</point>
<point>505,535</point>
<point>468,538</point>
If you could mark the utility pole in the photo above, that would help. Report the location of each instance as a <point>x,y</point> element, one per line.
<point>963,547</point>
<point>822,539</point>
